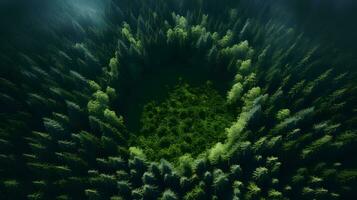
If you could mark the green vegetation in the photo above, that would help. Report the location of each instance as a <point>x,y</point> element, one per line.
<point>190,121</point>
<point>177,99</point>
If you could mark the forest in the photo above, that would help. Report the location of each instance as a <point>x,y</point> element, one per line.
<point>178,99</point>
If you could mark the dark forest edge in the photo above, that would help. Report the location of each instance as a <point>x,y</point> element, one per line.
<point>63,131</point>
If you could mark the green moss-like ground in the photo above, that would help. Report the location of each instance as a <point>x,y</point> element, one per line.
<point>190,120</point>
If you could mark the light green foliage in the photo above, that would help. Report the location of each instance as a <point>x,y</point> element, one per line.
<point>216,152</point>
<point>94,86</point>
<point>250,96</point>
<point>253,191</point>
<point>127,34</point>
<point>316,180</point>
<point>215,36</point>
<point>113,119</point>
<point>94,107</point>
<point>241,50</point>
<point>238,78</point>
<point>282,114</point>
<point>178,35</point>
<point>202,37</point>
<point>250,80</point>
<point>180,21</point>
<point>185,164</point>
<point>275,195</point>
<point>234,132</point>
<point>189,121</point>
<point>168,195</point>
<point>235,93</point>
<point>245,66</point>
<point>114,67</point>
<point>260,174</point>
<point>260,144</point>
<point>237,187</point>
<point>137,152</point>
<point>198,31</point>
<point>137,193</point>
<point>236,129</point>
<point>111,92</point>
<point>101,97</point>
<point>226,40</point>
<point>98,104</point>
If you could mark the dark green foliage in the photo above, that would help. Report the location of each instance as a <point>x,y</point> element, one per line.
<point>179,99</point>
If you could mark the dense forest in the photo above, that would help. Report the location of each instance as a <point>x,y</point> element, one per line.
<point>178,99</point>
